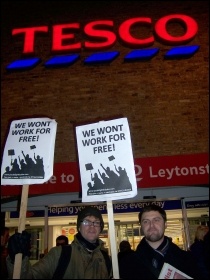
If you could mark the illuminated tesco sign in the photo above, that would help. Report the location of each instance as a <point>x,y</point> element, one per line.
<point>97,30</point>
<point>99,34</point>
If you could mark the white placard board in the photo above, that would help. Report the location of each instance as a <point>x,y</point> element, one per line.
<point>106,162</point>
<point>29,152</point>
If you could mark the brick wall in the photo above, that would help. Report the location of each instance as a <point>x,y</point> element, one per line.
<point>165,101</point>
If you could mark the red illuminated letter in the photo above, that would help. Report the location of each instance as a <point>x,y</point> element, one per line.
<point>59,37</point>
<point>125,34</point>
<point>190,24</point>
<point>110,37</point>
<point>28,46</point>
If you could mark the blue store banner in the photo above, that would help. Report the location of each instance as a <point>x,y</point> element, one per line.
<point>117,208</point>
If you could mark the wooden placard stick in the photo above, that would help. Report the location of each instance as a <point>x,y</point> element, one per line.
<point>21,227</point>
<point>112,237</point>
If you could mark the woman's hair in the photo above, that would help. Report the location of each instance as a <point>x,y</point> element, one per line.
<point>201,231</point>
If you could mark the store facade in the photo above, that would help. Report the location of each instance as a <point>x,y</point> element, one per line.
<point>159,81</point>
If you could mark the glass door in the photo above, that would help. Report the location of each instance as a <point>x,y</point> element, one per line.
<point>129,232</point>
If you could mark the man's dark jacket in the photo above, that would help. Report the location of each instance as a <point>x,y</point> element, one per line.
<point>146,263</point>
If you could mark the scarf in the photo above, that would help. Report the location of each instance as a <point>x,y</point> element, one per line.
<point>153,258</point>
<point>86,244</point>
<point>162,250</point>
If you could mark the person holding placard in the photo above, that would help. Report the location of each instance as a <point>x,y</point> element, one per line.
<point>86,259</point>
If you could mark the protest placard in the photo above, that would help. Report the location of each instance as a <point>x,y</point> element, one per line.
<point>106,161</point>
<point>106,168</point>
<point>28,159</point>
<point>29,152</point>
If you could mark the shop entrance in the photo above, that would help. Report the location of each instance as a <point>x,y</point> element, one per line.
<point>182,223</point>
